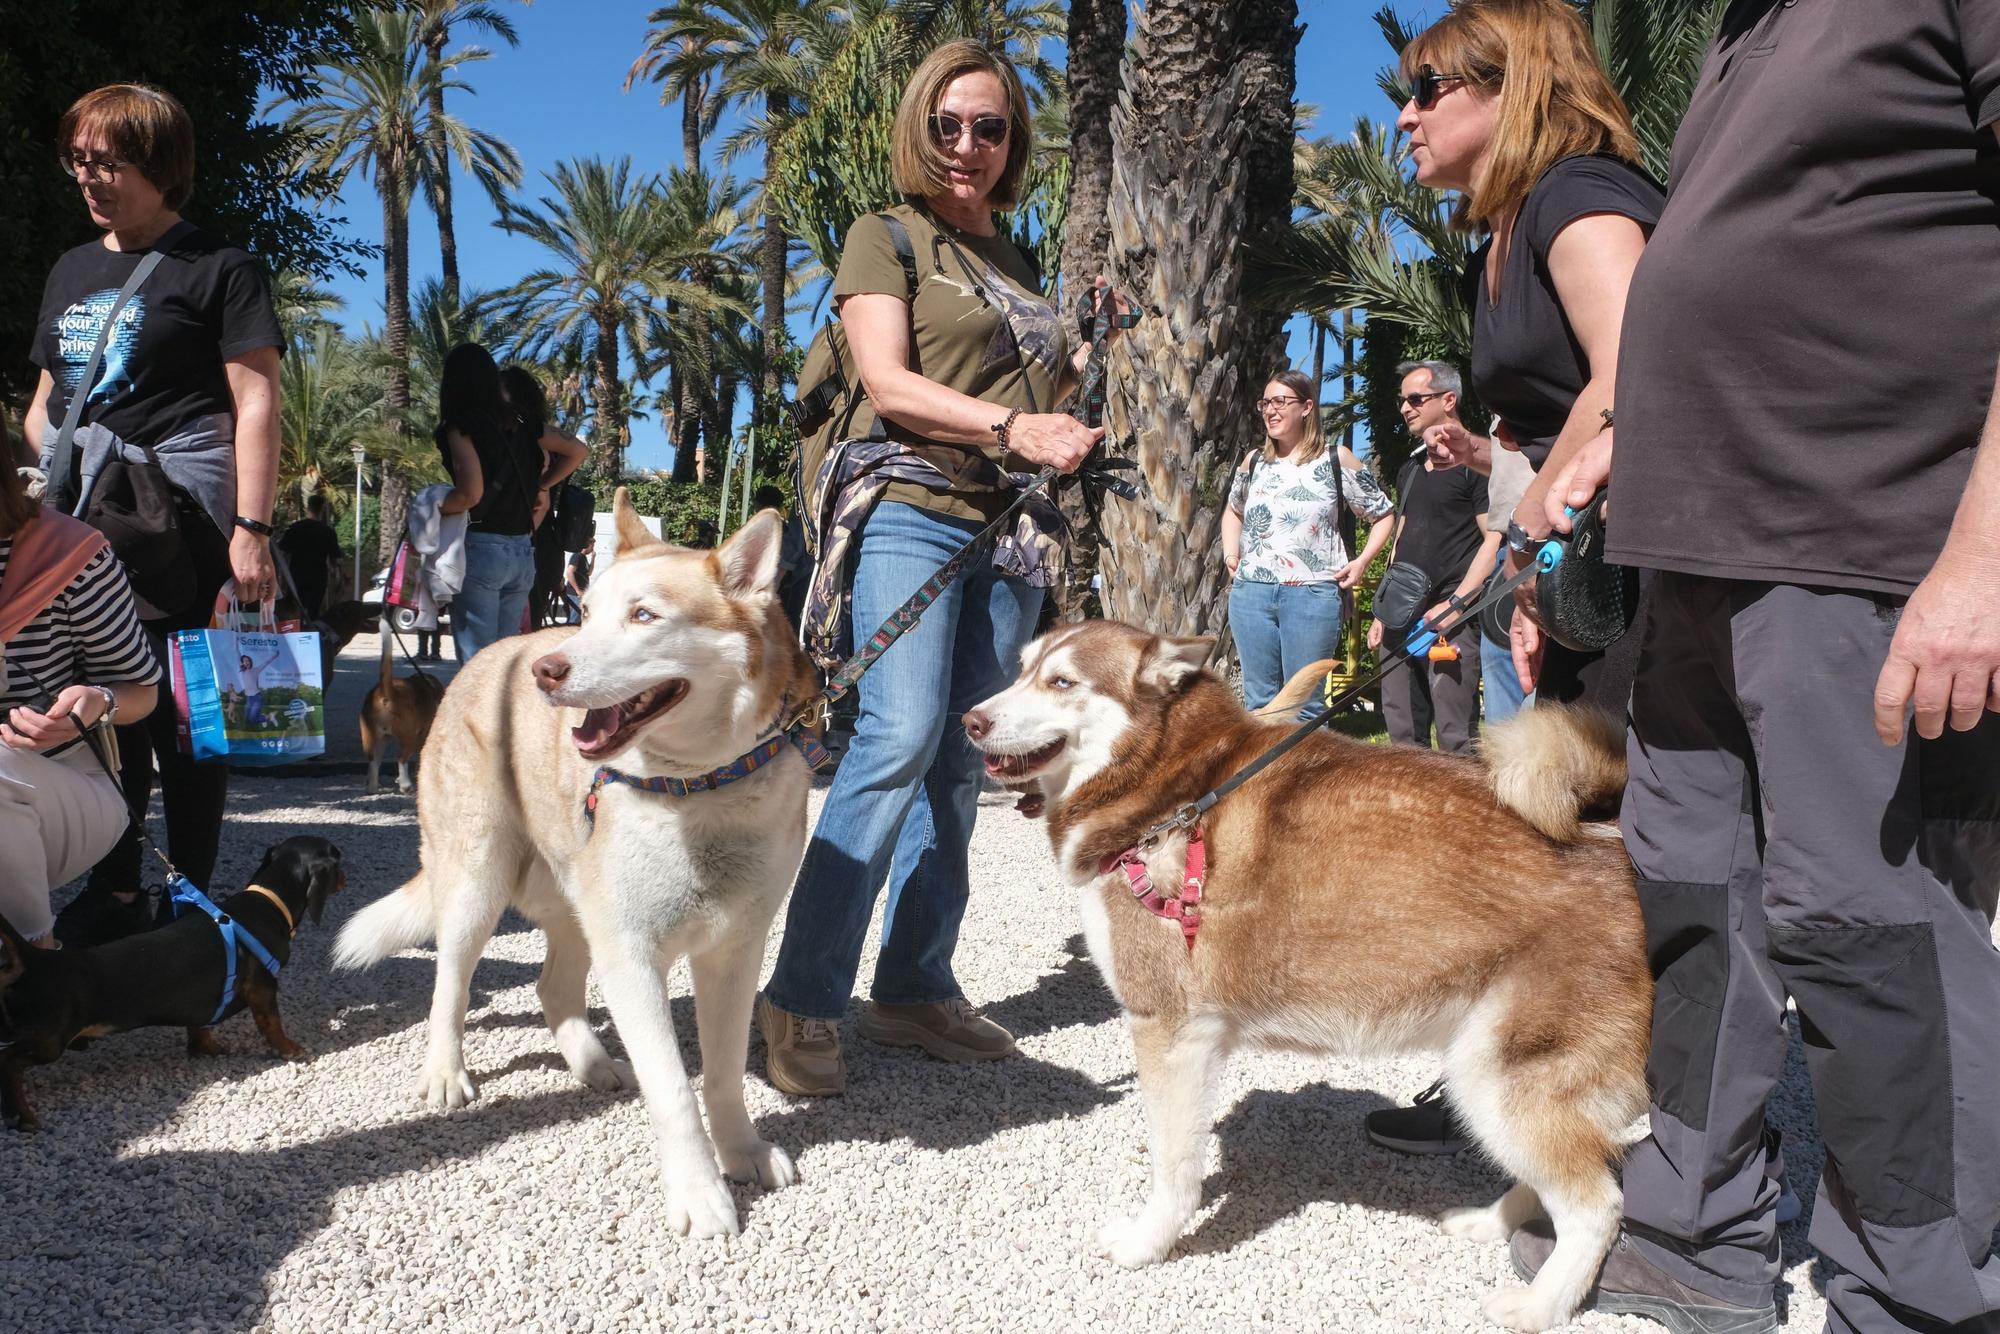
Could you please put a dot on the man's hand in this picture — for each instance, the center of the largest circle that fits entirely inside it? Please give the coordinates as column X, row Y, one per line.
column 1573, row 487
column 1375, row 632
column 1459, row 446
column 1351, row 574
column 1527, row 644
column 1945, row 658
column 250, row 563
column 25, row 729
column 1435, row 616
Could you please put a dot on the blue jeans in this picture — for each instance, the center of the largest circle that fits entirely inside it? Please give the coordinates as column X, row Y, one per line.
column 499, row 571
column 907, row 791
column 1500, row 687
column 1280, row 629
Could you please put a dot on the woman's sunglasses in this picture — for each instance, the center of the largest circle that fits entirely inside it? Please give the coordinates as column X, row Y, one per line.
column 1428, row 86
column 987, row 131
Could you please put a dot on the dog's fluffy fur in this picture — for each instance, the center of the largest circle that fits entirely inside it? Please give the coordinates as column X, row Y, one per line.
column 399, row 709
column 681, row 665
column 1359, row 898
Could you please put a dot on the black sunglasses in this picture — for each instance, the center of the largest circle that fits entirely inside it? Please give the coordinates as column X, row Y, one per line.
column 987, row 131
column 1428, row 86
column 1418, row 400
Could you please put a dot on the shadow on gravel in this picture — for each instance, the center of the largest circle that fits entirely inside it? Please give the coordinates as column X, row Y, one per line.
column 183, row 1240
column 1073, row 996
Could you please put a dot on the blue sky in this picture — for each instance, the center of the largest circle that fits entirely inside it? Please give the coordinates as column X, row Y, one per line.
column 557, row 97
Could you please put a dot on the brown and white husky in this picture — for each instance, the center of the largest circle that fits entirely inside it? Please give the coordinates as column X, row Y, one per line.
column 1358, row 898
column 684, row 663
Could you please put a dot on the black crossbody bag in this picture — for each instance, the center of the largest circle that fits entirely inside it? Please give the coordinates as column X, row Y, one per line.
column 1406, row 586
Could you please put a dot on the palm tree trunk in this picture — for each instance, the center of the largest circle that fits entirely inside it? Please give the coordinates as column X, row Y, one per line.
column 434, row 43
column 773, row 326
column 1096, row 45
column 396, row 335
column 608, row 415
column 691, row 99
column 1207, row 109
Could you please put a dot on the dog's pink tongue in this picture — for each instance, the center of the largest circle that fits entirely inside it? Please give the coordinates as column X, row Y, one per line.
column 598, row 726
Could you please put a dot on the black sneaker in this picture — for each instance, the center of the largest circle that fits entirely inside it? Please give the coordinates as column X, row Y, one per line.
column 98, row 916
column 1428, row 1125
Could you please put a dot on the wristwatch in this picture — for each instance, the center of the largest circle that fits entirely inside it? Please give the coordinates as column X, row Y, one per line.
column 1518, row 540
column 110, row 705
column 1003, row 431
column 261, row 529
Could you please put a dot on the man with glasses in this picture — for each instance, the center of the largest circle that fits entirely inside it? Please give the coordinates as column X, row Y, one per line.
column 1442, row 530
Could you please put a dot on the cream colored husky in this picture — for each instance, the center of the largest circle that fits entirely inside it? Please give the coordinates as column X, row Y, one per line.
column 684, row 662
column 1357, row 899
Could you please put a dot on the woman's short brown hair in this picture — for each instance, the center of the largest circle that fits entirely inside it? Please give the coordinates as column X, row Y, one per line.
column 142, row 125
column 15, row 506
column 1555, row 98
column 920, row 167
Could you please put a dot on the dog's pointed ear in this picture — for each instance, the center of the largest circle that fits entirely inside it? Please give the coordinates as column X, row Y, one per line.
column 634, row 538
column 326, row 878
column 747, row 564
column 1170, row 663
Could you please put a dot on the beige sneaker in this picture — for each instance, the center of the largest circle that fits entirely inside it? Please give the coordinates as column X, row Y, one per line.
column 801, row 1056
column 949, row 1030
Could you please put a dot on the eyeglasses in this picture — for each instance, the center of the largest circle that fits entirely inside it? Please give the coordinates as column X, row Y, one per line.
column 1266, row 404
column 101, row 171
column 987, row 131
column 1428, row 86
column 1418, row 400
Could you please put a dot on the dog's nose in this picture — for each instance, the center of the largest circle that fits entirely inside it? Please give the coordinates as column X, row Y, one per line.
column 977, row 724
column 551, row 670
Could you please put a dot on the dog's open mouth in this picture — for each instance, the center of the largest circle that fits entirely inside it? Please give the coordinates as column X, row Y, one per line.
column 605, row 730
column 1014, row 768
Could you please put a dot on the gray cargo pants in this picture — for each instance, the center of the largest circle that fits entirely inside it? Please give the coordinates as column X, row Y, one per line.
column 1783, row 850
column 1444, row 692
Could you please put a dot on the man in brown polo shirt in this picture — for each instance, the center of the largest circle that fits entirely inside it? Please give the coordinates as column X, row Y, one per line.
column 1805, row 383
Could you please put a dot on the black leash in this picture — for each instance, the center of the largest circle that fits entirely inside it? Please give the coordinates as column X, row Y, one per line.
column 1419, row 643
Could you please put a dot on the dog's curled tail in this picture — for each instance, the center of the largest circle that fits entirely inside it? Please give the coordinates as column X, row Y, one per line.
column 393, row 922
column 1552, row 762
column 1305, row 684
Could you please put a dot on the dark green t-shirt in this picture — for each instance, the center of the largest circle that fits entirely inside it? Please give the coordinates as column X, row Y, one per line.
column 970, row 290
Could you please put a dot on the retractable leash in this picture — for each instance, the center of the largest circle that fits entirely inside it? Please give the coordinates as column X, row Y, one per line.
column 1421, row 637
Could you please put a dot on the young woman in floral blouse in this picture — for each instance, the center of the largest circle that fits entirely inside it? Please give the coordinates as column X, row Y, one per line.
column 1281, row 538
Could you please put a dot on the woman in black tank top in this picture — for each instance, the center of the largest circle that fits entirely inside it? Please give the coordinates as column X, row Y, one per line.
column 495, row 477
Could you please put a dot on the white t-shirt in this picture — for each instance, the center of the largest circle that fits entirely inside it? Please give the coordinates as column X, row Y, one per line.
column 1291, row 534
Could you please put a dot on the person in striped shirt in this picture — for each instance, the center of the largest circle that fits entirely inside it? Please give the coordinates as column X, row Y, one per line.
column 77, row 656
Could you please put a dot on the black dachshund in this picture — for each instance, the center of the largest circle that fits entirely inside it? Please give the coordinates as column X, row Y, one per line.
column 172, row 975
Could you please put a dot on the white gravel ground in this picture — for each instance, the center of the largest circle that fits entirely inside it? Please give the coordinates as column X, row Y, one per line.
column 245, row 1193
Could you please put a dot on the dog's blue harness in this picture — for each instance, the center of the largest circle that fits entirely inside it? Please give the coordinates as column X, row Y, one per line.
column 181, row 890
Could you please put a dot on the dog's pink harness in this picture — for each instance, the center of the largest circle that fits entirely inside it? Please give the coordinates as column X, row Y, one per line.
column 1184, row 908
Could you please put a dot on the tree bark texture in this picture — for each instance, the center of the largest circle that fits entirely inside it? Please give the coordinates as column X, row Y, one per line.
column 396, row 336
column 1096, row 45
column 775, row 245
column 608, row 418
column 1201, row 177
column 441, row 171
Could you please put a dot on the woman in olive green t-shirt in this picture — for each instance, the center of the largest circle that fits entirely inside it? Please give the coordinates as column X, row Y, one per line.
column 965, row 373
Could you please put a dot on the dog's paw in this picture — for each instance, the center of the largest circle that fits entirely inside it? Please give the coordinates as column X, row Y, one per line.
column 702, row 1207
column 1520, row 1309
column 447, row 1087
column 1133, row 1242
column 291, row 1051
column 1473, row 1224
column 608, row 1076
column 760, row 1161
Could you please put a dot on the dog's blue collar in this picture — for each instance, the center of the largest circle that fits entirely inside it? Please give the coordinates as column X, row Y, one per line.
column 182, row 891
column 741, row 767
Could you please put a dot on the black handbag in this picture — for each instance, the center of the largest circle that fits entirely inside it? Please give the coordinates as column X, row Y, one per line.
column 1587, row 603
column 1406, row 587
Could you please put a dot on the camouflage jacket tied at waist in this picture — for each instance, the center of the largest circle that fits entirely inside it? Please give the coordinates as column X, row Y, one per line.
column 845, row 490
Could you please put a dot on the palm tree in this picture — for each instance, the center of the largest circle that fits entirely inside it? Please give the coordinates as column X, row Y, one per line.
column 706, row 217
column 435, row 21
column 752, row 48
column 619, row 247
column 1096, row 46
column 371, row 112
column 300, row 302
column 1202, row 174
column 329, row 401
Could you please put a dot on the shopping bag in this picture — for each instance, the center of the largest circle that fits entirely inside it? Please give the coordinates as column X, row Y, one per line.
column 404, row 587
column 250, row 696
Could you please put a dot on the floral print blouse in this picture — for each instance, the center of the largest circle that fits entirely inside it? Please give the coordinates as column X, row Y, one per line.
column 1290, row 532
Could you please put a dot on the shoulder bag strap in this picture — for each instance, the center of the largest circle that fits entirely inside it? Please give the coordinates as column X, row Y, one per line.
column 62, row 468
